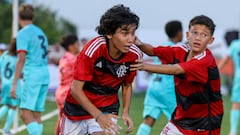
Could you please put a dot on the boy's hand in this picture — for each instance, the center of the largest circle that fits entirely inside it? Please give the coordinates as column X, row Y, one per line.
column 139, row 65
column 106, row 121
column 137, row 41
column 13, row 92
column 128, row 122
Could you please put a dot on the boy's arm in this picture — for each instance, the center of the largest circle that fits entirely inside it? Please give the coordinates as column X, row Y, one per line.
column 79, row 95
column 223, row 62
column 104, row 120
column 126, row 99
column 146, row 48
column 175, row 69
column 17, row 75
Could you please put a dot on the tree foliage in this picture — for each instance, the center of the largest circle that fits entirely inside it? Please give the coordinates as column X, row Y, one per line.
column 5, row 21
column 53, row 25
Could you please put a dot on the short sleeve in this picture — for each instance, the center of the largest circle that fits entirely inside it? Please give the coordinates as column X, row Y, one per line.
column 130, row 77
column 22, row 42
column 83, row 68
column 165, row 54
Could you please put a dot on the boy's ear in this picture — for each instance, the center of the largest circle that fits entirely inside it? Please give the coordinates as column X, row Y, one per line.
column 187, row 35
column 211, row 40
column 109, row 36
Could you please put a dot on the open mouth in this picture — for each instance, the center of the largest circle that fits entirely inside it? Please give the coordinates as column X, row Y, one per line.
column 196, row 45
column 127, row 47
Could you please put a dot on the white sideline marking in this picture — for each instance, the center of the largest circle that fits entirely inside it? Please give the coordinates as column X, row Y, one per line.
column 43, row 118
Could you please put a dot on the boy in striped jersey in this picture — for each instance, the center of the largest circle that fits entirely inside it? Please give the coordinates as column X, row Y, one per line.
column 199, row 108
column 157, row 103
column 102, row 68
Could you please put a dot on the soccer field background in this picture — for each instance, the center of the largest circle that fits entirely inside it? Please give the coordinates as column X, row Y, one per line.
column 135, row 112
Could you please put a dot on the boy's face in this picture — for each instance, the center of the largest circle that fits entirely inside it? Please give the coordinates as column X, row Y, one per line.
column 122, row 39
column 199, row 36
column 75, row 47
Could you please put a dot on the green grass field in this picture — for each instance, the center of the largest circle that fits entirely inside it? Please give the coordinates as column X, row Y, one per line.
column 136, row 114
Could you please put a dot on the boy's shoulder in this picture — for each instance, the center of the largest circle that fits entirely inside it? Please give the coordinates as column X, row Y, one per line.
column 94, row 46
column 134, row 50
column 182, row 46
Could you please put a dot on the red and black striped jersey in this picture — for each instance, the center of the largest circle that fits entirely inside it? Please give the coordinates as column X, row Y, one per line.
column 199, row 102
column 103, row 77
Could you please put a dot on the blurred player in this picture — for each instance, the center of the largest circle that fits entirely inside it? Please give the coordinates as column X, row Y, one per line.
column 3, row 47
column 199, row 108
column 8, row 62
column 234, row 54
column 160, row 96
column 32, row 47
column 101, row 69
column 66, row 65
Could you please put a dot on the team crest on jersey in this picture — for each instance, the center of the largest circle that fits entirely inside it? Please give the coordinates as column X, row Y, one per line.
column 122, row 70
column 117, row 69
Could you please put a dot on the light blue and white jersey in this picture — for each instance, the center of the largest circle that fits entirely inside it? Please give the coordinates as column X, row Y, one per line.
column 161, row 89
column 34, row 42
column 234, row 53
column 7, row 68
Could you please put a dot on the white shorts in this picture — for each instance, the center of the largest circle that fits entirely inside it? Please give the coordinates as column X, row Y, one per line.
column 170, row 129
column 82, row 127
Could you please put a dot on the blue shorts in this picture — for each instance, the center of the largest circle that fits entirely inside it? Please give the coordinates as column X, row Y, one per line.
column 10, row 101
column 34, row 96
column 235, row 96
column 6, row 99
column 155, row 112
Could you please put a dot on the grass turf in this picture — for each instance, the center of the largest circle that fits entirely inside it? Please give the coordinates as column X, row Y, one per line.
column 136, row 114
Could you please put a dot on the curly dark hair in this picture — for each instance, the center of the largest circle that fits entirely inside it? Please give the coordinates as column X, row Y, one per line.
column 203, row 20
column 116, row 17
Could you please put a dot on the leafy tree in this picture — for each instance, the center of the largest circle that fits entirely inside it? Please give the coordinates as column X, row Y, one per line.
column 5, row 21
column 53, row 25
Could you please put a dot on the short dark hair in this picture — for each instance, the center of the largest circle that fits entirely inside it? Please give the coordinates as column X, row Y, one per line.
column 68, row 40
column 26, row 12
column 172, row 28
column 116, row 17
column 203, row 20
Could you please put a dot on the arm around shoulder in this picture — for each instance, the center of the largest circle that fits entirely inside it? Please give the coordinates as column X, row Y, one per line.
column 146, row 48
column 175, row 69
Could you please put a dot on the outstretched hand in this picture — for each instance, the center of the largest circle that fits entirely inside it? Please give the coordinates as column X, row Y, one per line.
column 139, row 65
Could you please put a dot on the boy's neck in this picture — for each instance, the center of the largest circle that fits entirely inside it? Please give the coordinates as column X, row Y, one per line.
column 192, row 54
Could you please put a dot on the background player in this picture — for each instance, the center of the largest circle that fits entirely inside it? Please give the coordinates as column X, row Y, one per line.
column 66, row 65
column 101, row 69
column 234, row 54
column 32, row 47
column 8, row 62
column 160, row 96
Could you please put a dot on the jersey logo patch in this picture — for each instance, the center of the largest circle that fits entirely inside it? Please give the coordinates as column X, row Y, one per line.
column 99, row 64
column 116, row 69
column 122, row 70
